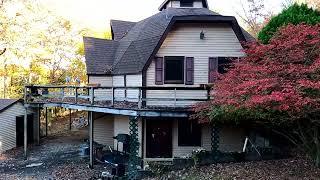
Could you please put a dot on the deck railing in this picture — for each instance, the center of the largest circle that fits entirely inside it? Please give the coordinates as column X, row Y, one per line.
column 135, row 97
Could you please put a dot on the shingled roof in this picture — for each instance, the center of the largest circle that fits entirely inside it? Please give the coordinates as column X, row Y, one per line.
column 99, row 55
column 6, row 103
column 120, row 28
column 132, row 53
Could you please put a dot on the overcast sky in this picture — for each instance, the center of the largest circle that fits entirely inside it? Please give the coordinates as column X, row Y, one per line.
column 96, row 14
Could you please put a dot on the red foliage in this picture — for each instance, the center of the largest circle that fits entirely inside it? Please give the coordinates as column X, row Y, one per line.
column 283, row 75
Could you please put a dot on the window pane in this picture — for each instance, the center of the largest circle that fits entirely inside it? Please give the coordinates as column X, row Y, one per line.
column 186, row 4
column 174, row 69
column 189, row 133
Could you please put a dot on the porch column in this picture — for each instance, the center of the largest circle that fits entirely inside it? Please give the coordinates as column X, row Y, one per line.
column 215, row 141
column 90, row 120
column 134, row 148
column 25, row 129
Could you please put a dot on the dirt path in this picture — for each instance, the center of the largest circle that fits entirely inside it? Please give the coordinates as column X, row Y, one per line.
column 56, row 158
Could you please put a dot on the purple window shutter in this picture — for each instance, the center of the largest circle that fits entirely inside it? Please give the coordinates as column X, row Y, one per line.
column 213, row 68
column 189, row 70
column 159, row 71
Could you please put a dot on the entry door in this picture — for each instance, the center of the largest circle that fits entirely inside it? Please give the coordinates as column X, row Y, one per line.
column 159, row 138
column 20, row 130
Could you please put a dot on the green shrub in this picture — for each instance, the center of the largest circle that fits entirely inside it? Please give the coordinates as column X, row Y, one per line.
column 294, row 14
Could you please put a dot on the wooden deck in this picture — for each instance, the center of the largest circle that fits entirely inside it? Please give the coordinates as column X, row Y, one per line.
column 108, row 100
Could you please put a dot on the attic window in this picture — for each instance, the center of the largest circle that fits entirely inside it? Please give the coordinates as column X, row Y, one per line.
column 186, row 4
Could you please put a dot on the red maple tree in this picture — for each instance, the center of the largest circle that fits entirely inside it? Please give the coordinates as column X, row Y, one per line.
column 276, row 85
column 281, row 76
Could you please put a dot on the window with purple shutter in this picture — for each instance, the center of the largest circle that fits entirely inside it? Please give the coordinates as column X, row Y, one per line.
column 213, row 68
column 159, row 71
column 189, row 70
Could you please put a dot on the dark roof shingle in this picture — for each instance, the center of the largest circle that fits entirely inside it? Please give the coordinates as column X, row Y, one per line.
column 99, row 55
column 120, row 28
column 5, row 103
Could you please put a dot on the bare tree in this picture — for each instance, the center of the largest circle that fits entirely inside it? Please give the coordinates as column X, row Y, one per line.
column 314, row 3
column 254, row 15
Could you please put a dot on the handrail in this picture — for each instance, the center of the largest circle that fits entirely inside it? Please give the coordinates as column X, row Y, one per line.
column 109, row 95
column 127, row 87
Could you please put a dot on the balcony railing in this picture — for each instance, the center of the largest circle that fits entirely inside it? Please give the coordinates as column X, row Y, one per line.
column 118, row 97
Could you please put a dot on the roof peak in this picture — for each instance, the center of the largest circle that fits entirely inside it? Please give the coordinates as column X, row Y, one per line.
column 184, row 4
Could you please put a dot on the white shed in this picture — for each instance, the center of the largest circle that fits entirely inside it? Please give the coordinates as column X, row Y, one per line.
column 12, row 124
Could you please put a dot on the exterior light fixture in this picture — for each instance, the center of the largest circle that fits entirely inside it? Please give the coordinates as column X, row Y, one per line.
column 202, row 36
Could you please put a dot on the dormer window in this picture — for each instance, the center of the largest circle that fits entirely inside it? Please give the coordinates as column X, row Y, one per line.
column 183, row 4
column 186, row 4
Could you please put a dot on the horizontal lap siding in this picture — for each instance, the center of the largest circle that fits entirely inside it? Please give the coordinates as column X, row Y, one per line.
column 180, row 94
column 186, row 151
column 121, row 126
column 231, row 140
column 118, row 81
column 103, row 130
column 100, row 94
column 184, row 40
column 133, row 81
column 8, row 126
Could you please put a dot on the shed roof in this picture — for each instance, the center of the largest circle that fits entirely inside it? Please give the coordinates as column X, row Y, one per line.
column 6, row 103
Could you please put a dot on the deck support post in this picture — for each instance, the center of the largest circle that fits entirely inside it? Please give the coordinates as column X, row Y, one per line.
column 215, row 141
column 46, row 121
column 90, row 120
column 25, row 130
column 39, row 125
column 134, row 148
column 70, row 119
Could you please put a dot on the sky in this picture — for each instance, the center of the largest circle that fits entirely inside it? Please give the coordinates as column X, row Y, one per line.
column 96, row 14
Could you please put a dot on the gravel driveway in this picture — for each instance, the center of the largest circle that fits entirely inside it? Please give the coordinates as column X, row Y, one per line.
column 57, row 157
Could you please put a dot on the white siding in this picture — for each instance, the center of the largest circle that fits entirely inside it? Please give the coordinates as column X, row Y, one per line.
column 197, row 4
column 102, row 80
column 173, row 4
column 184, row 40
column 133, row 81
column 176, row 4
column 100, row 94
column 8, row 126
column 118, row 81
column 231, row 140
column 121, row 126
column 103, row 130
column 186, row 151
